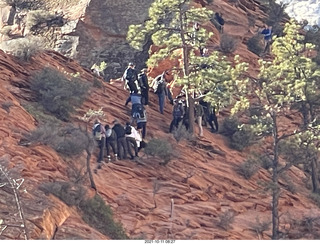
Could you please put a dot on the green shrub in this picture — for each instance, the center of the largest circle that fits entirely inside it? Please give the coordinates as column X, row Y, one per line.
column 68, row 141
column 99, row 215
column 57, row 94
column 39, row 113
column 228, row 44
column 254, row 44
column 229, row 126
column 159, row 148
column 243, row 138
column 248, row 168
column 182, row 133
column 69, row 193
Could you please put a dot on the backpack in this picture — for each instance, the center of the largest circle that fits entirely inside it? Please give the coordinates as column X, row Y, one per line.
column 139, row 112
column 130, row 75
column 97, row 132
column 160, row 87
column 128, row 130
column 177, row 111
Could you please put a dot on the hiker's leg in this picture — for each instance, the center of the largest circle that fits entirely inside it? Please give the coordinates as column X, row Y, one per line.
column 129, row 145
column 199, row 120
column 144, row 129
column 161, row 102
column 113, row 145
column 146, row 96
column 215, row 120
column 120, row 149
column 108, row 148
column 124, row 146
column 102, row 148
column 173, row 123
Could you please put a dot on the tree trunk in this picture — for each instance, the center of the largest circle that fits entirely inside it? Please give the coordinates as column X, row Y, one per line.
column 93, row 185
column 314, row 176
column 275, row 187
column 304, row 112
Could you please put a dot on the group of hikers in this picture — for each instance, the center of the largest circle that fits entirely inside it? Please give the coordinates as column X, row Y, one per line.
column 126, row 139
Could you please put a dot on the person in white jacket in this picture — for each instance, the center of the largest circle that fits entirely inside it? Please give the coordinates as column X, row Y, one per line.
column 133, row 139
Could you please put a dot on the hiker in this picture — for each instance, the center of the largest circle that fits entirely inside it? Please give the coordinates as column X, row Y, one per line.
column 134, row 98
column 185, row 119
column 210, row 115
column 198, row 113
column 267, row 33
column 99, row 135
column 160, row 88
column 133, row 139
column 220, row 21
column 130, row 77
column 111, row 142
column 144, row 86
column 121, row 140
column 177, row 113
column 142, row 123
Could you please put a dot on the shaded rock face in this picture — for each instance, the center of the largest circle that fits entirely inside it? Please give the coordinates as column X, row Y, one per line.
column 102, row 34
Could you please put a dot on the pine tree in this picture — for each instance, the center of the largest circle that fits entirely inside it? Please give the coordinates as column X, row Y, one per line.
column 285, row 83
column 177, row 27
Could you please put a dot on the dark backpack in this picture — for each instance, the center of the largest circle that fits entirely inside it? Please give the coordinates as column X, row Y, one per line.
column 160, row 87
column 97, row 134
column 139, row 112
column 177, row 111
column 128, row 130
column 130, row 75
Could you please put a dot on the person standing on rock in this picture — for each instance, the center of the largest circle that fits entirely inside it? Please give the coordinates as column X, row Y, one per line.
column 144, row 86
column 130, row 77
column 160, row 88
column 198, row 115
column 99, row 135
column 111, row 142
column 121, row 140
column 267, row 33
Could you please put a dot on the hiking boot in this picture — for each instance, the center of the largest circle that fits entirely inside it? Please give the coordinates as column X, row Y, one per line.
column 132, row 157
column 109, row 158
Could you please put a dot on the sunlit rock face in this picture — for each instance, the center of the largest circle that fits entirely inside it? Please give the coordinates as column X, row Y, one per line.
column 304, row 10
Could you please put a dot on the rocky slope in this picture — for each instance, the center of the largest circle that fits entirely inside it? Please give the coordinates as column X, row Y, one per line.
column 201, row 179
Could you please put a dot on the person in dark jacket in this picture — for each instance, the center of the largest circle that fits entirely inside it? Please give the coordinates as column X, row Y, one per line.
column 267, row 33
column 130, row 77
column 111, row 142
column 210, row 115
column 99, row 134
column 144, row 86
column 160, row 88
column 121, row 140
column 220, row 20
column 177, row 114
column 142, row 123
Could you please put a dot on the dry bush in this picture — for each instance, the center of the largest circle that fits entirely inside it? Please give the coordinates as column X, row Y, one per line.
column 228, row 44
column 248, row 168
column 68, row 140
column 254, row 44
column 182, row 133
column 160, row 148
column 23, row 48
column 58, row 94
column 225, row 220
